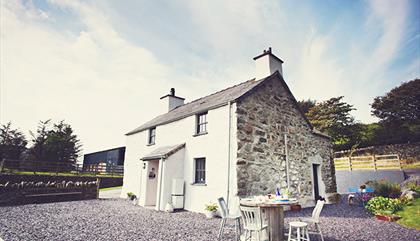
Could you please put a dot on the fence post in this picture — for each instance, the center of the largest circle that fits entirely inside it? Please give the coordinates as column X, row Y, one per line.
column 399, row 161
column 350, row 167
column 374, row 161
column 2, row 164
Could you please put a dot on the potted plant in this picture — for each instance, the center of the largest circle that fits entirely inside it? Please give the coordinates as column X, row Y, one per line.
column 384, row 208
column 211, row 210
column 130, row 196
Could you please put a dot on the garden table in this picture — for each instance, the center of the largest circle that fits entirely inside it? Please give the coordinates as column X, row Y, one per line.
column 275, row 214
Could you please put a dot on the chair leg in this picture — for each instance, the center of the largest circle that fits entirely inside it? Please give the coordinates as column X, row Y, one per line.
column 298, row 234
column 290, row 234
column 320, row 231
column 236, row 231
column 222, row 225
column 307, row 234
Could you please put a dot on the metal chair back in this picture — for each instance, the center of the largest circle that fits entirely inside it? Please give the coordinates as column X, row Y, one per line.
column 224, row 212
column 317, row 210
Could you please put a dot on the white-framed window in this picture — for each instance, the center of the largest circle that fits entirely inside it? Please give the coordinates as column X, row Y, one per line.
column 152, row 136
column 200, row 170
column 201, row 123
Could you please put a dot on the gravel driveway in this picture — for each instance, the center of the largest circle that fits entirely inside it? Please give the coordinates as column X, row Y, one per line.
column 116, row 219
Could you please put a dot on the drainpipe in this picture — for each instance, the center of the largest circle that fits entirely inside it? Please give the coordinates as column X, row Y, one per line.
column 287, row 161
column 161, row 167
column 229, row 144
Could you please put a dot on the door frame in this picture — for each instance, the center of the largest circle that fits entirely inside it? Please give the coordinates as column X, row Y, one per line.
column 317, row 159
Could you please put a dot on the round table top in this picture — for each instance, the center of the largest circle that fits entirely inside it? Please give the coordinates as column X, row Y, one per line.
column 268, row 203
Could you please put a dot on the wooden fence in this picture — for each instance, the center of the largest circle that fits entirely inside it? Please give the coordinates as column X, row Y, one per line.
column 374, row 162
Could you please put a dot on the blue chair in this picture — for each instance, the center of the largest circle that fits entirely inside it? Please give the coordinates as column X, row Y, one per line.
column 353, row 190
column 369, row 190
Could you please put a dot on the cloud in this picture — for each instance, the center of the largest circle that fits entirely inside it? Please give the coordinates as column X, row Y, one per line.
column 94, row 79
column 72, row 60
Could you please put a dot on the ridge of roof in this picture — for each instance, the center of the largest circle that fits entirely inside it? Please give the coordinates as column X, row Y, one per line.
column 250, row 85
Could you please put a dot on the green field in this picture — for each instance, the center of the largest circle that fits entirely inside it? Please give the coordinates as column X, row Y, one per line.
column 410, row 215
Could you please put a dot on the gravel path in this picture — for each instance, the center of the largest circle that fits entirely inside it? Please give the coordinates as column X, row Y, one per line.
column 114, row 219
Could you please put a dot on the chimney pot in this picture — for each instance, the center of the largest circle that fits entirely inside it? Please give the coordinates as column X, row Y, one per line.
column 172, row 91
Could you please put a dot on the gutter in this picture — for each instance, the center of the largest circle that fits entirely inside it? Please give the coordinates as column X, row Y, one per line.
column 161, row 166
column 229, row 145
column 287, row 161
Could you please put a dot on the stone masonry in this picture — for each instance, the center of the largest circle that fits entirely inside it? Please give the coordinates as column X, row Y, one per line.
column 263, row 117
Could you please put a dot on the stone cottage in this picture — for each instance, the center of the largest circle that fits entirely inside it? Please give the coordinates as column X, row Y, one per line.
column 245, row 140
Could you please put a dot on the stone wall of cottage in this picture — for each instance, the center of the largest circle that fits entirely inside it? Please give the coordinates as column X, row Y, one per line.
column 263, row 118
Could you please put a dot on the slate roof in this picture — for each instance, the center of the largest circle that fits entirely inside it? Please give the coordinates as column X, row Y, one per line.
column 216, row 100
column 205, row 103
column 163, row 152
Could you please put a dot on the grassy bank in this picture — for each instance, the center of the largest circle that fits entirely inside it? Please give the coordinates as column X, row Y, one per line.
column 109, row 188
column 64, row 174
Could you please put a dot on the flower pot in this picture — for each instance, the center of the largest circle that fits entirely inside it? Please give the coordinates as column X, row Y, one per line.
column 169, row 208
column 387, row 218
column 210, row 214
column 295, row 207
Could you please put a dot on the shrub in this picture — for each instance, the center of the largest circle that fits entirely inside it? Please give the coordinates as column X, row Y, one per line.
column 385, row 188
column 212, row 207
column 383, row 205
column 412, row 186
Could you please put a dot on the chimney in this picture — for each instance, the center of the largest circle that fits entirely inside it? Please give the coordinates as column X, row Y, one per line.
column 266, row 64
column 172, row 101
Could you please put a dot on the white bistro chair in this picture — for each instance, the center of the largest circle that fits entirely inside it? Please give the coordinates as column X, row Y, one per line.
column 253, row 222
column 224, row 212
column 315, row 218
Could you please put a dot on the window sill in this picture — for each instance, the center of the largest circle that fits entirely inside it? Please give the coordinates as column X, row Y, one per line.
column 198, row 184
column 151, row 144
column 200, row 134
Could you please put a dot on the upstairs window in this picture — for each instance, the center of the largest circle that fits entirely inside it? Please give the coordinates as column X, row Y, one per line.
column 152, row 136
column 201, row 124
column 200, row 170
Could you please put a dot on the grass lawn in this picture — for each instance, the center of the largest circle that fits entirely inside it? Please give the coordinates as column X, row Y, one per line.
column 415, row 165
column 410, row 215
column 109, row 188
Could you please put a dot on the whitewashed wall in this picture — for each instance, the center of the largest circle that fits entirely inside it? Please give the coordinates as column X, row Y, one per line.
column 213, row 146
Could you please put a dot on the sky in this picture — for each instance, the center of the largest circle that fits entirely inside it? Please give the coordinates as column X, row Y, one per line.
column 103, row 65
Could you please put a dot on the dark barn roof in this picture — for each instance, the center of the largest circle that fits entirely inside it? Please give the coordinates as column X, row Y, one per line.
column 216, row 100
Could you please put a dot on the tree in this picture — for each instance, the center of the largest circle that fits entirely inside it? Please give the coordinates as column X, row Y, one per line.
column 333, row 117
column 306, row 105
column 55, row 143
column 399, row 114
column 401, row 104
column 12, row 142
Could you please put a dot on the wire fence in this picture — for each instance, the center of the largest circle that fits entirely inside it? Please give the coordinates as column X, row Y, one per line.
column 39, row 167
